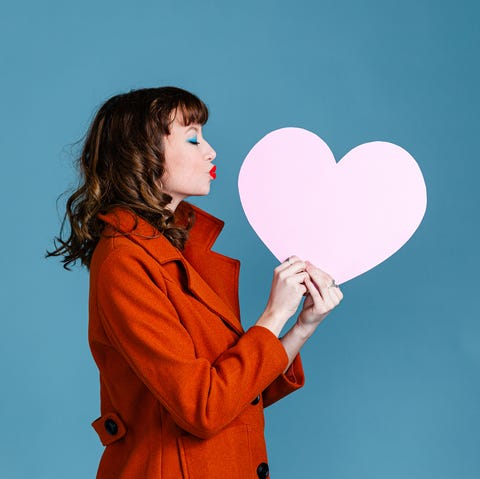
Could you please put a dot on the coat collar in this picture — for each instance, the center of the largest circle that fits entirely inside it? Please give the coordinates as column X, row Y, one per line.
column 212, row 277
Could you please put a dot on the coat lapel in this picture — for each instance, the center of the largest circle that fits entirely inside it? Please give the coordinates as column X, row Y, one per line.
column 219, row 271
column 204, row 293
column 212, row 277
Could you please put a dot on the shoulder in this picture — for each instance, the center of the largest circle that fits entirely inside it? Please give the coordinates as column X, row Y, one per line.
column 118, row 259
column 112, row 248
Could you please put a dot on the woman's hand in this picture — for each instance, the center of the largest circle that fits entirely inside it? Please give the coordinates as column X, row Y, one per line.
column 288, row 288
column 323, row 296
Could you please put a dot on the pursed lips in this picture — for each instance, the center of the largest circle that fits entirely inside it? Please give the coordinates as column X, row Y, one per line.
column 213, row 171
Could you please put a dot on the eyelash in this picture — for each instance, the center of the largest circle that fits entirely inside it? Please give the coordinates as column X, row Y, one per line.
column 193, row 141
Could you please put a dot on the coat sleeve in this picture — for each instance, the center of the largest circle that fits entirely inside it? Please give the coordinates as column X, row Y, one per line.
column 142, row 324
column 286, row 383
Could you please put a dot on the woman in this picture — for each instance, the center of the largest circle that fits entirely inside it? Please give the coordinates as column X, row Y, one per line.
column 183, row 386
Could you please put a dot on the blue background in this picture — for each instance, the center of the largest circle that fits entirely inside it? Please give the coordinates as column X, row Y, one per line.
column 393, row 376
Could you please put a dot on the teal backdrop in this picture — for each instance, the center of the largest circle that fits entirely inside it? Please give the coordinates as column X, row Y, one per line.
column 393, row 375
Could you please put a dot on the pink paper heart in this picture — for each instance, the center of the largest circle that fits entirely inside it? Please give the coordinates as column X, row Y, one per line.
column 344, row 217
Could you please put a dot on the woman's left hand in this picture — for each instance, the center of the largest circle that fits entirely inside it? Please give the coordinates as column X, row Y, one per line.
column 323, row 296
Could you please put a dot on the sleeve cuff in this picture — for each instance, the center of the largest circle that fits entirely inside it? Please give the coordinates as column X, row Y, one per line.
column 271, row 343
column 294, row 375
column 285, row 383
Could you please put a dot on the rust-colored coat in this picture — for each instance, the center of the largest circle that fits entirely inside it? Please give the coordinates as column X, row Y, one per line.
column 182, row 385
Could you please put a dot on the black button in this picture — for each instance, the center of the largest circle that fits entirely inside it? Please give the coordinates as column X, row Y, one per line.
column 255, row 401
column 262, row 470
column 111, row 427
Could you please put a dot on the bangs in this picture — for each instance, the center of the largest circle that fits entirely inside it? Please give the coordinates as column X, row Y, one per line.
column 192, row 110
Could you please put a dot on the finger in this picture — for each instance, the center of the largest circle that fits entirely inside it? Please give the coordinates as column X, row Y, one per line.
column 327, row 287
column 337, row 293
column 313, row 291
column 297, row 279
column 293, row 269
column 321, row 279
column 320, row 305
column 328, row 293
column 288, row 262
column 282, row 266
column 318, row 276
column 333, row 297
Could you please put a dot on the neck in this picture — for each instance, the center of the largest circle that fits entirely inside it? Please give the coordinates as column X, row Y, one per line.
column 172, row 206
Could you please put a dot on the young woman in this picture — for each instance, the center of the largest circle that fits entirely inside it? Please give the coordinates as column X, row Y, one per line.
column 182, row 385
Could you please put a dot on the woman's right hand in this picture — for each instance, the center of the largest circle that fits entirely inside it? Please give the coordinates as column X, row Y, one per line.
column 286, row 293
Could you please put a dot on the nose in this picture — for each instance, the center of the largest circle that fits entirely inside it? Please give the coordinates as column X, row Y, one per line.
column 211, row 153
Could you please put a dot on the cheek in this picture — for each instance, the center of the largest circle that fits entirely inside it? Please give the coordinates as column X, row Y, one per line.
column 174, row 165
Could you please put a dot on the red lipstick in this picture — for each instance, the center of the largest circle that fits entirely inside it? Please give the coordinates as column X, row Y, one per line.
column 213, row 171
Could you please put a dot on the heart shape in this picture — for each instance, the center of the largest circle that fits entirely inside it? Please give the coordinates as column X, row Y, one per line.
column 344, row 217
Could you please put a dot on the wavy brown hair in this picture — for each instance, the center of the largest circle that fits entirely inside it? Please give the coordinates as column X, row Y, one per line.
column 121, row 164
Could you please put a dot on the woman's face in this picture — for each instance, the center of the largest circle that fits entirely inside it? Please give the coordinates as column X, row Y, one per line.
column 188, row 163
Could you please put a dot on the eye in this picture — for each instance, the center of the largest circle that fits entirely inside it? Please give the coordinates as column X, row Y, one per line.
column 193, row 140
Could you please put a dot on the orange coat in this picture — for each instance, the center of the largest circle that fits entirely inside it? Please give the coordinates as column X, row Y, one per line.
column 182, row 385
